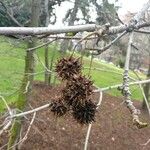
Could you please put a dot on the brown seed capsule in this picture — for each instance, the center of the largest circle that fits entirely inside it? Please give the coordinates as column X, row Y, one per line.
column 58, row 108
column 85, row 114
column 66, row 68
column 77, row 90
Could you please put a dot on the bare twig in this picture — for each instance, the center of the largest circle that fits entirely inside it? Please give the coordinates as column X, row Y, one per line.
column 148, row 141
column 28, row 130
column 134, row 46
column 69, row 37
column 42, row 45
column 106, row 70
column 31, row 111
column 144, row 96
column 103, row 70
column 7, row 122
column 26, row 135
column 90, row 125
column 27, row 86
column 30, row 74
column 101, row 50
column 8, row 108
column 119, row 18
column 119, row 85
column 82, row 39
column 6, row 126
column 142, row 31
column 145, row 99
column 50, row 71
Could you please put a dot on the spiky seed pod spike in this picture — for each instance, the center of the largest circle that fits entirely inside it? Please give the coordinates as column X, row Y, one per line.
column 66, row 68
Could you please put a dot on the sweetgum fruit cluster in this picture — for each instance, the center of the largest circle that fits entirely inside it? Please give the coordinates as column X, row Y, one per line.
column 77, row 92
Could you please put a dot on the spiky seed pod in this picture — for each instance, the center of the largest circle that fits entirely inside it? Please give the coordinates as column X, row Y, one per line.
column 77, row 90
column 58, row 108
column 67, row 97
column 85, row 114
column 82, row 84
column 74, row 99
column 66, row 68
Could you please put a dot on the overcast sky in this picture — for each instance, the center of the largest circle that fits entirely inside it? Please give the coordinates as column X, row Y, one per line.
column 126, row 5
column 130, row 5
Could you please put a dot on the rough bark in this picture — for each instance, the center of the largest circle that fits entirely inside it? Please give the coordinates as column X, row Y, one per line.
column 78, row 28
column 26, row 87
column 47, row 74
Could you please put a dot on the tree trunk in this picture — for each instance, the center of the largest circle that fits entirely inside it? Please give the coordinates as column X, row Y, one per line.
column 47, row 74
column 147, row 89
column 52, row 60
column 26, row 87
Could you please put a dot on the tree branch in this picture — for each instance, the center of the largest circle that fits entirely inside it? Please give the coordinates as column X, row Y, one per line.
column 142, row 31
column 31, row 111
column 103, row 49
column 77, row 28
column 143, row 93
column 126, row 90
column 119, row 85
column 42, row 45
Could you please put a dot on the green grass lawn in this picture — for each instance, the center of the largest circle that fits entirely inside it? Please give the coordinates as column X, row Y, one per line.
column 112, row 75
column 12, row 53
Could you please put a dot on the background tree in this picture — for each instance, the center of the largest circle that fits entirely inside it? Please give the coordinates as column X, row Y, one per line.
column 47, row 14
column 27, row 80
column 14, row 13
column 47, row 20
column 106, row 13
column 18, row 12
